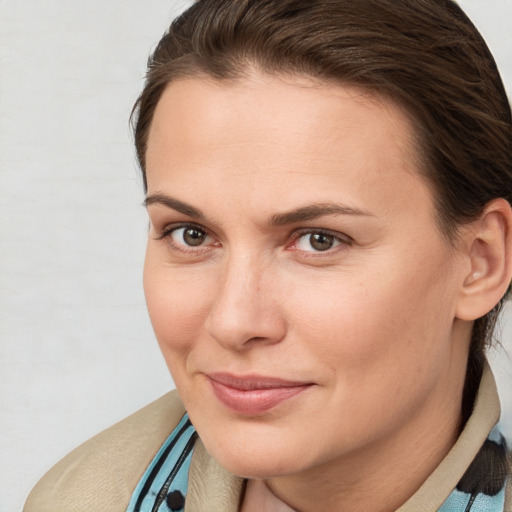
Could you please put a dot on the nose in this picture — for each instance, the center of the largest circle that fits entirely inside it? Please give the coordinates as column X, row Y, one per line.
column 246, row 309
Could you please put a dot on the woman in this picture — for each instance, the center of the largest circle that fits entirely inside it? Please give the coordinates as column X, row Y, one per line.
column 329, row 187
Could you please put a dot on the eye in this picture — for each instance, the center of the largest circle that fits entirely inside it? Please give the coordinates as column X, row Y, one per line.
column 318, row 241
column 187, row 236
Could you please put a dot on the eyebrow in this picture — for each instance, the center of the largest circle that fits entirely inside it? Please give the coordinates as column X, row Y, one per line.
column 302, row 214
column 313, row 212
column 175, row 204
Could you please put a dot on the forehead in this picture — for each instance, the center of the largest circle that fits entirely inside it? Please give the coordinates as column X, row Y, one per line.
column 288, row 103
column 280, row 136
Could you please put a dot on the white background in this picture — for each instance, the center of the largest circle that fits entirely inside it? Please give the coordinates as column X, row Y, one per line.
column 76, row 349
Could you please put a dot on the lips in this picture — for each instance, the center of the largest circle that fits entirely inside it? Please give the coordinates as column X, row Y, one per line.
column 253, row 395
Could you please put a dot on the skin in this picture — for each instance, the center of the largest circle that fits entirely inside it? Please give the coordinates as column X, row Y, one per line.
column 371, row 323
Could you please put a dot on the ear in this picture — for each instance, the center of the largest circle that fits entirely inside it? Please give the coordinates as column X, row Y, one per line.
column 488, row 243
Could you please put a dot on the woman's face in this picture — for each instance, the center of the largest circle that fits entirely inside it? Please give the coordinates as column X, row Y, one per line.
column 300, row 290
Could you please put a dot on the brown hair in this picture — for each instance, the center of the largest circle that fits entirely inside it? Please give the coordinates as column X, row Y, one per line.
column 425, row 55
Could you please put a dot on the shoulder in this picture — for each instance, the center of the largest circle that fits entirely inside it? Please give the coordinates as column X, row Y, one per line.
column 102, row 473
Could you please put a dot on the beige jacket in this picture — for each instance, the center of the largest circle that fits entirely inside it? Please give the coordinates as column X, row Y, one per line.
column 101, row 474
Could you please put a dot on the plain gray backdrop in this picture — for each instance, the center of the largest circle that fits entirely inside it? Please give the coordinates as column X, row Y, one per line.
column 76, row 348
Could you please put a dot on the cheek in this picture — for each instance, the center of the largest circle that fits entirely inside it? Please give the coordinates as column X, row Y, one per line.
column 177, row 302
column 397, row 313
column 381, row 343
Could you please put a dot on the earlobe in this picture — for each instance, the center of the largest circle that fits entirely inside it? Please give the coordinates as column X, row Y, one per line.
column 489, row 251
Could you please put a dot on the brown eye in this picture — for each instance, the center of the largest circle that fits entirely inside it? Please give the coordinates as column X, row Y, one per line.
column 318, row 242
column 321, row 242
column 194, row 236
column 190, row 236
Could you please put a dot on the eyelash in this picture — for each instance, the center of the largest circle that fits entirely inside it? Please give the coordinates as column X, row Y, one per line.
column 169, row 230
column 341, row 239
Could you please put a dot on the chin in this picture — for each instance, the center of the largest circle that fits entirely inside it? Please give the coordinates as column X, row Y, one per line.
column 255, row 456
column 246, row 466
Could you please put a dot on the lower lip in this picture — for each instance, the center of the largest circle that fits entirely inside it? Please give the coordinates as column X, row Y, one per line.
column 255, row 401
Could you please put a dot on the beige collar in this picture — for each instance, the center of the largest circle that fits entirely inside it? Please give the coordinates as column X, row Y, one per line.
column 438, row 486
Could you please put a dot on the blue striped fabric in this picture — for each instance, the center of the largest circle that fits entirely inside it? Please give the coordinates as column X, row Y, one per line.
column 482, row 488
column 167, row 473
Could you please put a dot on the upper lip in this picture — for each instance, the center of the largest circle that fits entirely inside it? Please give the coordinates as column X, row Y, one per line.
column 253, row 382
